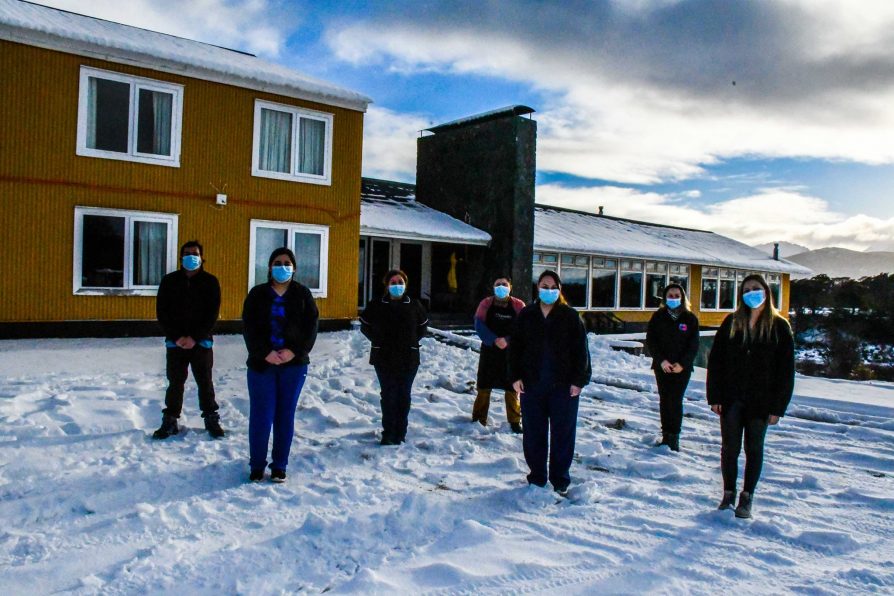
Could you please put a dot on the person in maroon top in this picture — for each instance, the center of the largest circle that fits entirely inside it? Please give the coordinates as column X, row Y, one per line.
column 494, row 320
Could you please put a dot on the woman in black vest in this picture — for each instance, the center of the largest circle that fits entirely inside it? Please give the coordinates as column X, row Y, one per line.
column 494, row 320
column 751, row 375
column 280, row 328
column 394, row 325
column 672, row 338
column 550, row 363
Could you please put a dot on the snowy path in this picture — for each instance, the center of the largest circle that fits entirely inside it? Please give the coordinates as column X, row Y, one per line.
column 90, row 504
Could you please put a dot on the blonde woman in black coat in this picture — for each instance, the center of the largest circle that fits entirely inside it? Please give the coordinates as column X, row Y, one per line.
column 672, row 338
column 751, row 376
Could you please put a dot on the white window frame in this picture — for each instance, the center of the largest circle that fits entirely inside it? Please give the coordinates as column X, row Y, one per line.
column 587, row 284
column 642, row 285
column 291, row 228
column 594, row 267
column 294, row 175
column 136, row 83
column 129, row 288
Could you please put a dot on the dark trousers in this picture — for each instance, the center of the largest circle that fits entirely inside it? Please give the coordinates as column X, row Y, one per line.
column 273, row 397
column 550, row 422
column 396, row 386
column 179, row 361
column 671, row 388
column 735, row 422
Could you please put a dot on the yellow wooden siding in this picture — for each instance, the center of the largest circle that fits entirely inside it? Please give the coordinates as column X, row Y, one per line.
column 42, row 180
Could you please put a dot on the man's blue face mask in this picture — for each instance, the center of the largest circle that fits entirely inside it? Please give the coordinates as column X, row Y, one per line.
column 191, row 262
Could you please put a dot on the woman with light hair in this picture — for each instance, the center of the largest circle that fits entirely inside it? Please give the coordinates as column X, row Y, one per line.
column 751, row 376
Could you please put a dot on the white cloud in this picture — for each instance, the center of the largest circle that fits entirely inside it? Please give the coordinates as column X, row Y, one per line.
column 249, row 25
column 632, row 96
column 772, row 215
column 389, row 144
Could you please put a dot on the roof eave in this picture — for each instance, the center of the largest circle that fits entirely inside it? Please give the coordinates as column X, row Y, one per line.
column 77, row 47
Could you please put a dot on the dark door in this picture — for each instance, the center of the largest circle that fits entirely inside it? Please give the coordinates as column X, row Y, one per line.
column 411, row 263
column 380, row 263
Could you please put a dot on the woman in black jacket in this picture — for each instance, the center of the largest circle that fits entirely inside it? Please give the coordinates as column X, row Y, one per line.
column 394, row 325
column 672, row 338
column 280, row 328
column 550, row 363
column 751, row 376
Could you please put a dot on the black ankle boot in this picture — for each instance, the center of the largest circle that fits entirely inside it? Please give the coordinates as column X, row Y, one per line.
column 168, row 427
column 743, row 510
column 673, row 441
column 729, row 497
column 212, row 425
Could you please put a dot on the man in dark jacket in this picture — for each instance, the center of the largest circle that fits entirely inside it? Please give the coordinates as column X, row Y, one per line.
column 187, row 306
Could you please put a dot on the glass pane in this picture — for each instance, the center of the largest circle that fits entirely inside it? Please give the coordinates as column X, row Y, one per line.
column 776, row 292
column 655, row 283
column 710, row 272
column 598, row 262
column 275, row 143
column 154, row 122
column 631, row 290
column 611, row 264
column 102, row 254
column 536, row 270
column 266, row 241
column 361, row 270
column 150, row 252
column 568, row 259
column 582, row 261
column 709, row 293
column 550, row 259
column 108, row 114
column 537, row 257
column 307, row 252
column 312, row 139
column 574, row 286
column 683, row 280
column 727, row 294
column 602, row 293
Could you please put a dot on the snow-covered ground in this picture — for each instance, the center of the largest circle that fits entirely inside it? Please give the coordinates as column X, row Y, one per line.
column 89, row 503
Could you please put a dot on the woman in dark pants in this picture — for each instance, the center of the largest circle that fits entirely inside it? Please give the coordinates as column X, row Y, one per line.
column 751, row 375
column 394, row 325
column 280, row 328
column 494, row 320
column 672, row 338
column 550, row 362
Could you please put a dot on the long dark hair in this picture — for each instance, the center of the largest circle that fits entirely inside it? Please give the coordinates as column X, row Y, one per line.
column 742, row 317
column 675, row 286
column 278, row 253
column 558, row 280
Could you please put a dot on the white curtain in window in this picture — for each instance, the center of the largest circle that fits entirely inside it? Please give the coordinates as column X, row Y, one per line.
column 150, row 252
column 275, row 142
column 307, row 253
column 162, row 111
column 91, row 112
column 312, row 138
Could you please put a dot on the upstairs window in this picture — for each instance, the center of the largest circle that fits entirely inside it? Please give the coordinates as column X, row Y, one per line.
column 129, row 118
column 292, row 143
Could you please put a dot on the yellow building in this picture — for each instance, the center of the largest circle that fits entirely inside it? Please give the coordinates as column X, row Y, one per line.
column 119, row 144
column 614, row 269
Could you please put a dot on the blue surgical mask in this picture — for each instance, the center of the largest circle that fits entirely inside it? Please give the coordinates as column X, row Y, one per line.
column 673, row 302
column 397, row 290
column 191, row 262
column 548, row 296
column 282, row 273
column 754, row 298
column 501, row 292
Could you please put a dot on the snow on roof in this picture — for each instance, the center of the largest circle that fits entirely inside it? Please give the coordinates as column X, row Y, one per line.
column 564, row 230
column 390, row 209
column 41, row 26
column 516, row 110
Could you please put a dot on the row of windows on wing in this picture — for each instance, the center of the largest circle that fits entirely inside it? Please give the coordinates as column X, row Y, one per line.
column 592, row 282
column 133, row 250
column 138, row 119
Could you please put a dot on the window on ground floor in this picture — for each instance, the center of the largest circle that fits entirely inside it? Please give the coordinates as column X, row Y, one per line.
column 310, row 243
column 122, row 250
column 604, row 278
column 575, row 273
column 631, row 291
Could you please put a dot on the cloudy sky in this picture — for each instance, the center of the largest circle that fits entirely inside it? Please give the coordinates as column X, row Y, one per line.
column 762, row 120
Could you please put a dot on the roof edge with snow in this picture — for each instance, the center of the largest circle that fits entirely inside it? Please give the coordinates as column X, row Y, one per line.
column 89, row 37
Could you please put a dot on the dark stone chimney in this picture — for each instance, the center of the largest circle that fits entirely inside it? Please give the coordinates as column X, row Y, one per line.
column 480, row 170
column 775, row 251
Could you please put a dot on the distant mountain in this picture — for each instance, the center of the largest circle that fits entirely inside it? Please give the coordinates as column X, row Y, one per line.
column 841, row 262
column 786, row 249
